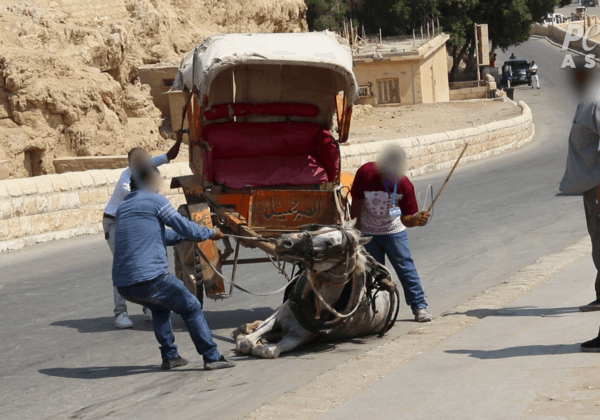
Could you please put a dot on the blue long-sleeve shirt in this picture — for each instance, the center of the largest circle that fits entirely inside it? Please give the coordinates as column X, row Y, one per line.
column 141, row 239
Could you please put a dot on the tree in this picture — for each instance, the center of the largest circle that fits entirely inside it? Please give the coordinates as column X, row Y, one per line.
column 328, row 14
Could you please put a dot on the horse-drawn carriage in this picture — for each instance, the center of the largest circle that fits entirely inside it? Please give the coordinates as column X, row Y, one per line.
column 261, row 111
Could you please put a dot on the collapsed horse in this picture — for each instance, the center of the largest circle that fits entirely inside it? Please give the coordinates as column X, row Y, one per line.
column 340, row 293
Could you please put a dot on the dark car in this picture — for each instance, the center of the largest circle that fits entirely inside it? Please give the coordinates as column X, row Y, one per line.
column 519, row 70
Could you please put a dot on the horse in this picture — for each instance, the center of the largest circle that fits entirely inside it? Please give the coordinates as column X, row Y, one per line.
column 341, row 292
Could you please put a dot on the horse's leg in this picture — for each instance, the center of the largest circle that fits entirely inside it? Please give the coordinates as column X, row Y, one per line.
column 294, row 336
column 245, row 343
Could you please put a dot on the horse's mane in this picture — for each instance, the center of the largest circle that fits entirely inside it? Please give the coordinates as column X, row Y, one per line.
column 361, row 259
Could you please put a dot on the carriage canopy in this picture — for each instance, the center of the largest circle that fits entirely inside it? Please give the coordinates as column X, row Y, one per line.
column 260, row 68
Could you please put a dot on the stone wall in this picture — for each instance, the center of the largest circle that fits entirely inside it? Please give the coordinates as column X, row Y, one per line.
column 460, row 91
column 557, row 34
column 43, row 208
column 439, row 151
column 86, row 163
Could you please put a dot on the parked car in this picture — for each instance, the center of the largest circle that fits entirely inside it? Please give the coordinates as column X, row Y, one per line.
column 519, row 69
column 589, row 3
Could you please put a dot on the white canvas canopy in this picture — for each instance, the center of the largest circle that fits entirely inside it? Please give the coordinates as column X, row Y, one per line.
column 271, row 67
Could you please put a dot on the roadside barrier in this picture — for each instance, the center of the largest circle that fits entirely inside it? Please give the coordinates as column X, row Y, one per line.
column 48, row 207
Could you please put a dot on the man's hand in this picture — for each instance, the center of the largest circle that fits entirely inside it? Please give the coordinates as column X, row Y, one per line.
column 174, row 151
column 417, row 219
column 219, row 235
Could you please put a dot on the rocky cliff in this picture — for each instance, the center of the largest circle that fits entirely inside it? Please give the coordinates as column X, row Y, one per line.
column 68, row 69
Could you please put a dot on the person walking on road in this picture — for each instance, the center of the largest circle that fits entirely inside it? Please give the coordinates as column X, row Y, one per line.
column 533, row 74
column 141, row 267
column 384, row 204
column 109, row 223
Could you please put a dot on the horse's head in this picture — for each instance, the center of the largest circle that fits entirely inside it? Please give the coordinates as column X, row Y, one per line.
column 322, row 248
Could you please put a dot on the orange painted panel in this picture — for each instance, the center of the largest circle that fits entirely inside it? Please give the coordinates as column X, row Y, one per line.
column 347, row 179
column 291, row 209
column 213, row 284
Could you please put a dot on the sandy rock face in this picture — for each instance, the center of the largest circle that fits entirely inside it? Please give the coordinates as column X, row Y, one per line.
column 68, row 70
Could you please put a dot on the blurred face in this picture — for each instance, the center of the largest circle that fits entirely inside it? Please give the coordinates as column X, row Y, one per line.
column 391, row 163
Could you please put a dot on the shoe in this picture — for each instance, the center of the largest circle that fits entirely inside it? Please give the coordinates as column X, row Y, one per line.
column 147, row 314
column 173, row 363
column 423, row 315
column 591, row 307
column 122, row 321
column 592, row 346
column 222, row 363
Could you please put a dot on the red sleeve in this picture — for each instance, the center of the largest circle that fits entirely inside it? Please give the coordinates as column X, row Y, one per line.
column 358, row 186
column 408, row 203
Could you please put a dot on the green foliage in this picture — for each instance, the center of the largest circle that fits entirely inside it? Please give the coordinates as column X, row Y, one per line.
column 327, row 14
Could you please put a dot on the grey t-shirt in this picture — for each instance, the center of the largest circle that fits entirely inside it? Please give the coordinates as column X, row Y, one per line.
column 583, row 161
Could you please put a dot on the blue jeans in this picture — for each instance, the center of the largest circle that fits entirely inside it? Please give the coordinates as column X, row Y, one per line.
column 164, row 294
column 395, row 246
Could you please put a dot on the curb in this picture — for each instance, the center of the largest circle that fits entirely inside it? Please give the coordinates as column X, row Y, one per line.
column 433, row 152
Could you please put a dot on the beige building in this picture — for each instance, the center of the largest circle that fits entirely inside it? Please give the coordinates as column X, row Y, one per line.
column 402, row 71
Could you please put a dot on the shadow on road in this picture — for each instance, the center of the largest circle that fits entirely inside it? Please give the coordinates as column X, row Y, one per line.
column 105, row 324
column 101, row 372
column 216, row 319
column 519, row 351
column 519, row 311
column 234, row 318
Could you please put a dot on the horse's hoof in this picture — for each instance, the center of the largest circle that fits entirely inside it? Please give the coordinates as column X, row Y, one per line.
column 244, row 346
column 266, row 352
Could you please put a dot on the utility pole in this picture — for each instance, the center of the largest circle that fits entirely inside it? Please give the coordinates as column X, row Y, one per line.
column 476, row 52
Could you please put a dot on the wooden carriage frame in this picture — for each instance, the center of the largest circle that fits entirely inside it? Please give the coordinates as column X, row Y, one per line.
column 233, row 65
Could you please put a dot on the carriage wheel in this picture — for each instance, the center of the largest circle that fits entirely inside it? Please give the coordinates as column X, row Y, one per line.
column 187, row 263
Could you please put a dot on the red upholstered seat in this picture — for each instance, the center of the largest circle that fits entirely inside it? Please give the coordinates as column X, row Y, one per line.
column 264, row 154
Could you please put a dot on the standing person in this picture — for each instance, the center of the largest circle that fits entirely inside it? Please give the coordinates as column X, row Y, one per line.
column 507, row 74
column 533, row 70
column 493, row 60
column 384, row 204
column 109, row 223
column 141, row 267
column 582, row 173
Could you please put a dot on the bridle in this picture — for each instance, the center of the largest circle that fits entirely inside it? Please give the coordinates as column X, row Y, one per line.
column 309, row 255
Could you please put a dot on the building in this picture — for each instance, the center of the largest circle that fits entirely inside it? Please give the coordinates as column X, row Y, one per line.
column 402, row 70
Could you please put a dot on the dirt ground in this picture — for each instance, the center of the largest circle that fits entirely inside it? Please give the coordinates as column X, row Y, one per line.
column 377, row 123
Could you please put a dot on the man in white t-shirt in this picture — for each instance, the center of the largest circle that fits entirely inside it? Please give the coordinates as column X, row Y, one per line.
column 109, row 222
column 533, row 73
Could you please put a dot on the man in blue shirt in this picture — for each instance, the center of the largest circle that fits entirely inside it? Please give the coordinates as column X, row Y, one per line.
column 109, row 222
column 141, row 267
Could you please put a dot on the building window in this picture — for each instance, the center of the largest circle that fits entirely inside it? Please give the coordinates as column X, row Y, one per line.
column 364, row 91
column 388, row 91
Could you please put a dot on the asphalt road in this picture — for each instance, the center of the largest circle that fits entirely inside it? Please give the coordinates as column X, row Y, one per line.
column 61, row 357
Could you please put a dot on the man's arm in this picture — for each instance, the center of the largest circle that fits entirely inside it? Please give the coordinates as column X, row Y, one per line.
column 184, row 227
column 411, row 216
column 173, row 238
column 174, row 151
column 417, row 219
column 167, row 157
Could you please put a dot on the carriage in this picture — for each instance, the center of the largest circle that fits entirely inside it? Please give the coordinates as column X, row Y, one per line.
column 261, row 109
